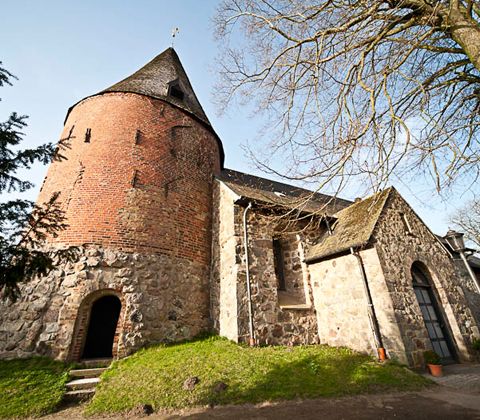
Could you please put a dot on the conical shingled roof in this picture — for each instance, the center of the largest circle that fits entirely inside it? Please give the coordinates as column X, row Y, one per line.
column 154, row 80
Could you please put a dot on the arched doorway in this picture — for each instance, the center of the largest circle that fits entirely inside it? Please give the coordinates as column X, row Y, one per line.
column 432, row 316
column 101, row 327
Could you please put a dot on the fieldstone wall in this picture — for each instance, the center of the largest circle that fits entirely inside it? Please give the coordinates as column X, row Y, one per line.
column 469, row 289
column 341, row 304
column 163, row 299
column 339, row 300
column 276, row 322
column 398, row 249
column 297, row 288
column 383, row 304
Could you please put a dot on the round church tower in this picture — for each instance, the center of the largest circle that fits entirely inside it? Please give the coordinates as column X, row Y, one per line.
column 136, row 191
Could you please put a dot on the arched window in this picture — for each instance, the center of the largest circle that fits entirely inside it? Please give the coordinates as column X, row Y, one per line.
column 432, row 316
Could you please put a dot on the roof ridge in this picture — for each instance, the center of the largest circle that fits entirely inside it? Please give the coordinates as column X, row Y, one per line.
column 354, row 227
column 386, row 191
column 274, row 183
column 153, row 79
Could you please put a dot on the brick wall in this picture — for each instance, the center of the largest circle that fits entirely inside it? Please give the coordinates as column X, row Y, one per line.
column 141, row 183
column 136, row 188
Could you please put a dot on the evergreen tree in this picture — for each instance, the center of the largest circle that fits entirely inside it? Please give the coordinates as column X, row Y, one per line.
column 24, row 225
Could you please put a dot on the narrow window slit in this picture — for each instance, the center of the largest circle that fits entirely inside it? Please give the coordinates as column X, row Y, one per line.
column 138, row 135
column 406, row 224
column 88, row 135
column 135, row 178
column 279, row 264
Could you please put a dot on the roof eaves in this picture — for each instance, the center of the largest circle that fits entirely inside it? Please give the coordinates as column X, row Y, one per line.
column 339, row 251
column 243, row 200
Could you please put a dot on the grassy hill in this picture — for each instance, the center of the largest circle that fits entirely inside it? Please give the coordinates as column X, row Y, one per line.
column 31, row 387
column 231, row 374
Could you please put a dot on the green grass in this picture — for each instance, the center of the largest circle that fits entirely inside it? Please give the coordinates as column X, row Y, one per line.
column 31, row 387
column 155, row 375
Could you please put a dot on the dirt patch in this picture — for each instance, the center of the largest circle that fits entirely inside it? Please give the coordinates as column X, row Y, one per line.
column 437, row 402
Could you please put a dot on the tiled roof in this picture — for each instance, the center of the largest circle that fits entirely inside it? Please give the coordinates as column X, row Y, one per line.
column 354, row 227
column 279, row 194
column 154, row 78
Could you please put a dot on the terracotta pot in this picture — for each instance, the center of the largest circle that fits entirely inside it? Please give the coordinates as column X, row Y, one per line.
column 435, row 370
column 382, row 355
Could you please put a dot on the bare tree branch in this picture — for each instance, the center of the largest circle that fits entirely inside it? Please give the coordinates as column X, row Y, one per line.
column 467, row 219
column 364, row 89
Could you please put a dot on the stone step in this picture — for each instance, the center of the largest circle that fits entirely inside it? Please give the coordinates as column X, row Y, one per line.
column 79, row 395
column 95, row 363
column 87, row 373
column 84, row 383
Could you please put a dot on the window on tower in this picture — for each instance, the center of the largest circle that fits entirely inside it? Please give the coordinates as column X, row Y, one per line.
column 175, row 90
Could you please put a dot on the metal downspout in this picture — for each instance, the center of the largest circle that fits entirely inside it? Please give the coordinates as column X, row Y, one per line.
column 247, row 271
column 470, row 271
column 371, row 310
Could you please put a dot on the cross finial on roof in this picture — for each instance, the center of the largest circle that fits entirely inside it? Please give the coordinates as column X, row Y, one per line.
column 175, row 32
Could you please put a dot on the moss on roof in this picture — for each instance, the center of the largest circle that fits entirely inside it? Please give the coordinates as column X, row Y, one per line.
column 353, row 228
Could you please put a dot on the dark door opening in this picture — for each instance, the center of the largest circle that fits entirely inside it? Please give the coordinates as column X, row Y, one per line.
column 101, row 328
column 434, row 322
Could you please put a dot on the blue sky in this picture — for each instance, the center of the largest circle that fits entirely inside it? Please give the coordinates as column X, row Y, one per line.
column 62, row 51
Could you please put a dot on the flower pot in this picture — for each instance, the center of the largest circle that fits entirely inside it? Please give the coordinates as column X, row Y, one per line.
column 382, row 355
column 435, row 370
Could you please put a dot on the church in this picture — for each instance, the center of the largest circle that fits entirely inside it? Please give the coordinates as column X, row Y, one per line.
column 172, row 244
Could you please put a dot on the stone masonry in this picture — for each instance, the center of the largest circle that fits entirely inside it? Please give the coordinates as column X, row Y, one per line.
column 332, row 299
column 162, row 301
column 135, row 183
column 398, row 248
column 158, row 223
column 279, row 317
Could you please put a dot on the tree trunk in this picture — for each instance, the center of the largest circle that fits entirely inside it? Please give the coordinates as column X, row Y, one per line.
column 465, row 32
